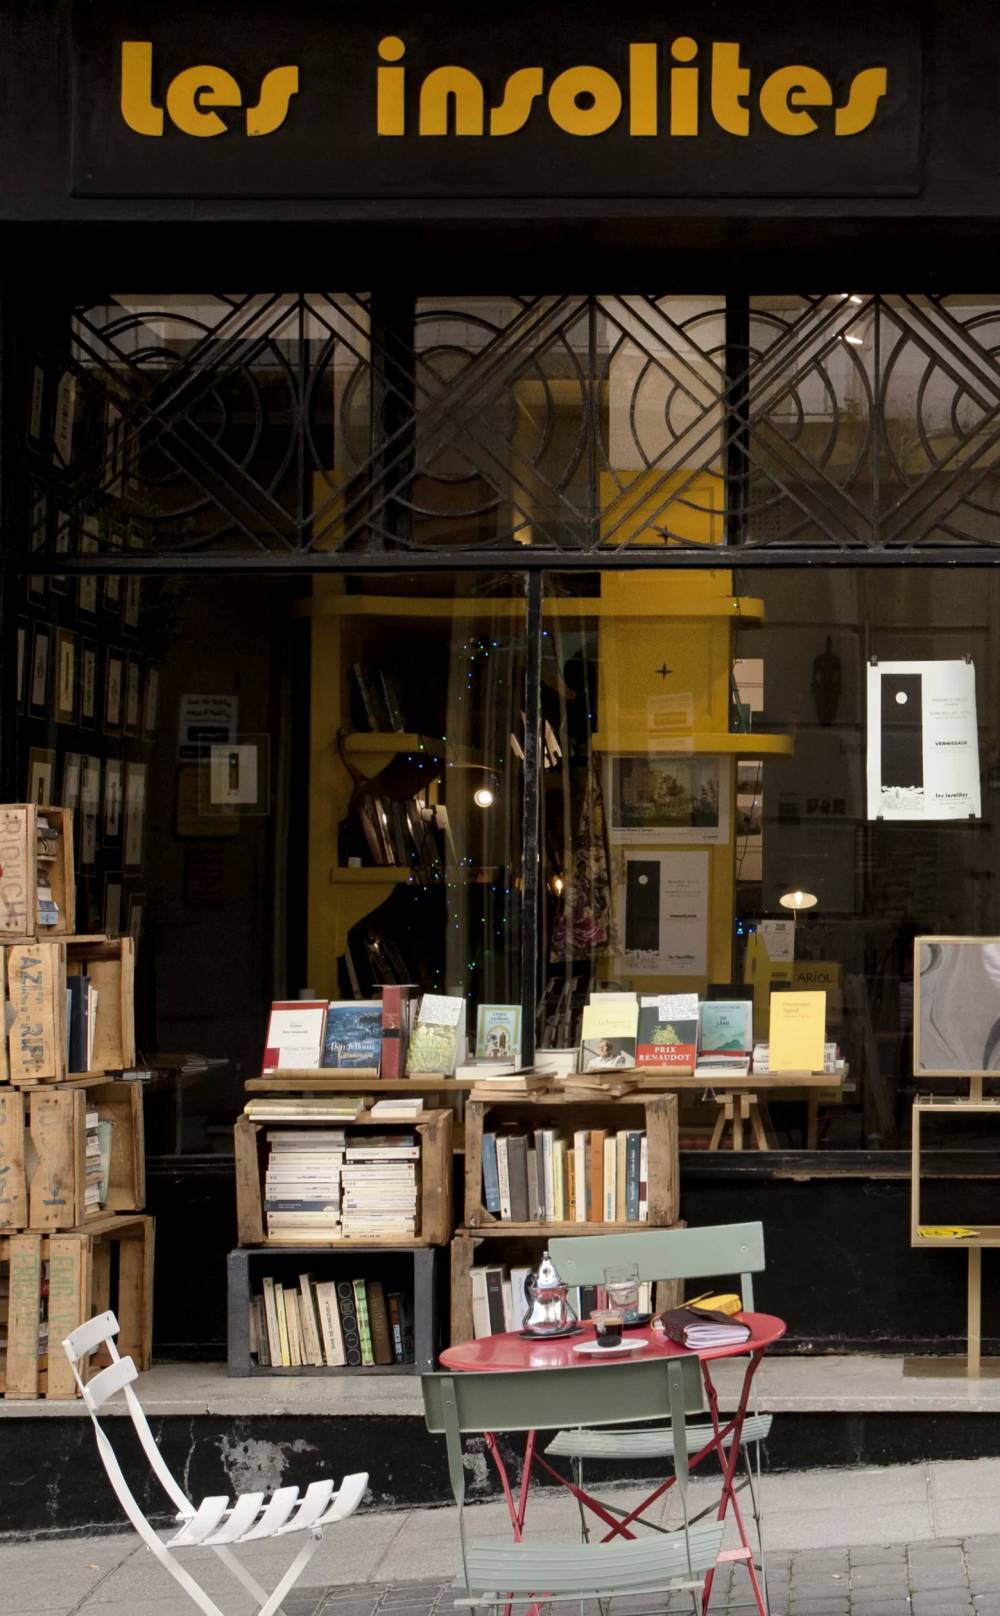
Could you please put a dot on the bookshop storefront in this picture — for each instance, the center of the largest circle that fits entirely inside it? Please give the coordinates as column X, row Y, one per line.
column 601, row 596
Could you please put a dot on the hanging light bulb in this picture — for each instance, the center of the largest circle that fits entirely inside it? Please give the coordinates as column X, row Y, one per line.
column 484, row 796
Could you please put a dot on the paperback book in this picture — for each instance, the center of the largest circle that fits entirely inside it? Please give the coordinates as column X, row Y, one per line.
column 498, row 1033
column 295, row 1035
column 353, row 1037
column 668, row 1030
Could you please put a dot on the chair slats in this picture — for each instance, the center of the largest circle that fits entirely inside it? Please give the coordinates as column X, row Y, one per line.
column 314, row 1501
column 241, row 1517
column 656, row 1443
column 104, row 1385
column 275, row 1514
column 87, row 1336
column 204, row 1521
column 349, row 1495
column 539, row 1568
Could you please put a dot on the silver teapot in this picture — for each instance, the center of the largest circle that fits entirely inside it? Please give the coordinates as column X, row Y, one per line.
column 548, row 1311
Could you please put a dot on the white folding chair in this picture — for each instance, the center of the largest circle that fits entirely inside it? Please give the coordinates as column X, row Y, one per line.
column 214, row 1523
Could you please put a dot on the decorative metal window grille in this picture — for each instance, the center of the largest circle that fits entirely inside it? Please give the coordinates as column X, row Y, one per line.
column 341, row 429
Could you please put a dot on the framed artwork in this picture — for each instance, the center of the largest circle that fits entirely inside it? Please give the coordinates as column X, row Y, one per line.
column 71, row 780
column 237, row 776
column 23, row 639
column 113, row 778
column 113, row 693
column 39, row 539
column 956, row 1012
column 90, row 804
column 136, row 905
column 113, row 903
column 665, row 798
column 64, row 537
column 135, row 811
column 149, row 706
column 65, row 676
column 90, row 544
column 41, row 775
column 40, row 649
column 132, row 695
column 113, row 580
column 133, row 589
column 65, row 421
column 88, row 684
column 36, row 407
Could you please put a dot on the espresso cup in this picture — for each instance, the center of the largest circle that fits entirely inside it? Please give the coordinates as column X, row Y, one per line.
column 608, row 1324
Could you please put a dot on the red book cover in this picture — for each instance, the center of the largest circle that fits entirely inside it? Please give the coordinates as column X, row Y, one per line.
column 395, row 1019
column 668, row 1030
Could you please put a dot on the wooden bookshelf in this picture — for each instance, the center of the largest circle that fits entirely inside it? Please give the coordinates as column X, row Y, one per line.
column 434, row 1131
column 36, row 974
column 657, row 1114
column 43, row 1159
column 20, row 869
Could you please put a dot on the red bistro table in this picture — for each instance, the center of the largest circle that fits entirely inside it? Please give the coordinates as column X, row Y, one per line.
column 502, row 1354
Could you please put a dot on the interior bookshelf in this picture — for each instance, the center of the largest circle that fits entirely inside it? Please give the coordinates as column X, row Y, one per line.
column 43, row 1153
column 433, row 1130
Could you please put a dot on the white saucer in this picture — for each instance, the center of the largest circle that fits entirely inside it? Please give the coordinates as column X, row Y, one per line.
column 634, row 1343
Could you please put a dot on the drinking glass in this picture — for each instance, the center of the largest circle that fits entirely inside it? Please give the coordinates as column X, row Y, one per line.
column 622, row 1285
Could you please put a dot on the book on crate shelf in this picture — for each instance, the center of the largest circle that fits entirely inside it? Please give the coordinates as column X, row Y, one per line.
column 352, row 1036
column 305, row 1108
column 608, row 1032
column 98, row 1160
column 326, row 1323
column 302, row 1185
column 498, row 1033
column 379, row 1187
column 500, row 1301
column 309, row 1034
column 46, row 842
column 437, row 1042
column 81, row 1022
column 668, row 1030
column 590, row 1176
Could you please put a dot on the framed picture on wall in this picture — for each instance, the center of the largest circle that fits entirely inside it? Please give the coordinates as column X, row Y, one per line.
column 88, row 684
column 90, row 544
column 90, row 807
column 66, row 680
column 151, row 699
column 59, row 583
column 113, row 692
column 39, row 540
column 956, row 1007
column 135, row 812
column 41, row 775
column 113, row 903
column 71, row 780
column 40, row 651
column 136, row 905
column 658, row 797
column 113, row 580
column 132, row 695
column 23, row 641
column 113, row 801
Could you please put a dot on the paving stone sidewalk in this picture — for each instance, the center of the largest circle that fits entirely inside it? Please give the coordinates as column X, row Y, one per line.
column 944, row 1577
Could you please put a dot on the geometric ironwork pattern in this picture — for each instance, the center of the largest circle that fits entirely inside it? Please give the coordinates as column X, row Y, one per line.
column 333, row 424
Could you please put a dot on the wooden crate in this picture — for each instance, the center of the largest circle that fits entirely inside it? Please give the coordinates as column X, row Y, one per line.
column 434, row 1130
column 469, row 1247
column 36, row 979
column 42, row 1153
column 19, row 869
column 657, row 1113
column 76, row 1276
column 247, row 1267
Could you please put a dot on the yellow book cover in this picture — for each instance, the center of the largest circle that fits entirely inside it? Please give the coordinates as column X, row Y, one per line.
column 798, row 1032
column 621, row 1151
column 610, row 1174
column 559, row 1180
column 571, row 1186
column 610, row 1015
column 279, row 1302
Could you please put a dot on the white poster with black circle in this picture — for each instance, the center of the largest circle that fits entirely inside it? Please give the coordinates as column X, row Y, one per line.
column 923, row 744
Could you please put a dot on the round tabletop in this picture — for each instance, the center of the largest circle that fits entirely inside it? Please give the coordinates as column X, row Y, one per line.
column 510, row 1352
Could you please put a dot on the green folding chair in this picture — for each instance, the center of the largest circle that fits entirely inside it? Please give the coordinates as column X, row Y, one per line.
column 494, row 1574
column 718, row 1251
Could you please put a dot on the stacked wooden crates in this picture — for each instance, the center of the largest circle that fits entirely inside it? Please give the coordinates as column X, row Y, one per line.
column 59, row 1261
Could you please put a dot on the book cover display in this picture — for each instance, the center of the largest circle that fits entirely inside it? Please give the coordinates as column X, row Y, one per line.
column 668, row 1030
column 438, row 1039
column 353, row 1037
column 498, row 1032
column 726, row 1027
column 608, row 1032
column 295, row 1035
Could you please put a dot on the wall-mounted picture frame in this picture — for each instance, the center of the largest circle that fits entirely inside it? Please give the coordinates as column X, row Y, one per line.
column 114, row 800
column 66, row 676
column 151, row 699
column 136, row 909
column 114, row 678
column 90, row 544
column 956, row 1006
column 135, row 812
column 71, row 776
column 41, row 775
column 41, row 650
column 90, row 807
column 668, row 799
column 23, row 642
column 88, row 684
column 113, row 886
column 133, row 695
column 62, row 544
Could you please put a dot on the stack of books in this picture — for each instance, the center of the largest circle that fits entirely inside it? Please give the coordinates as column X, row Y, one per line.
column 46, row 841
column 81, row 1022
column 591, row 1176
column 725, row 1039
column 379, row 1183
column 302, row 1185
column 329, row 1323
column 98, row 1160
column 306, row 1108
